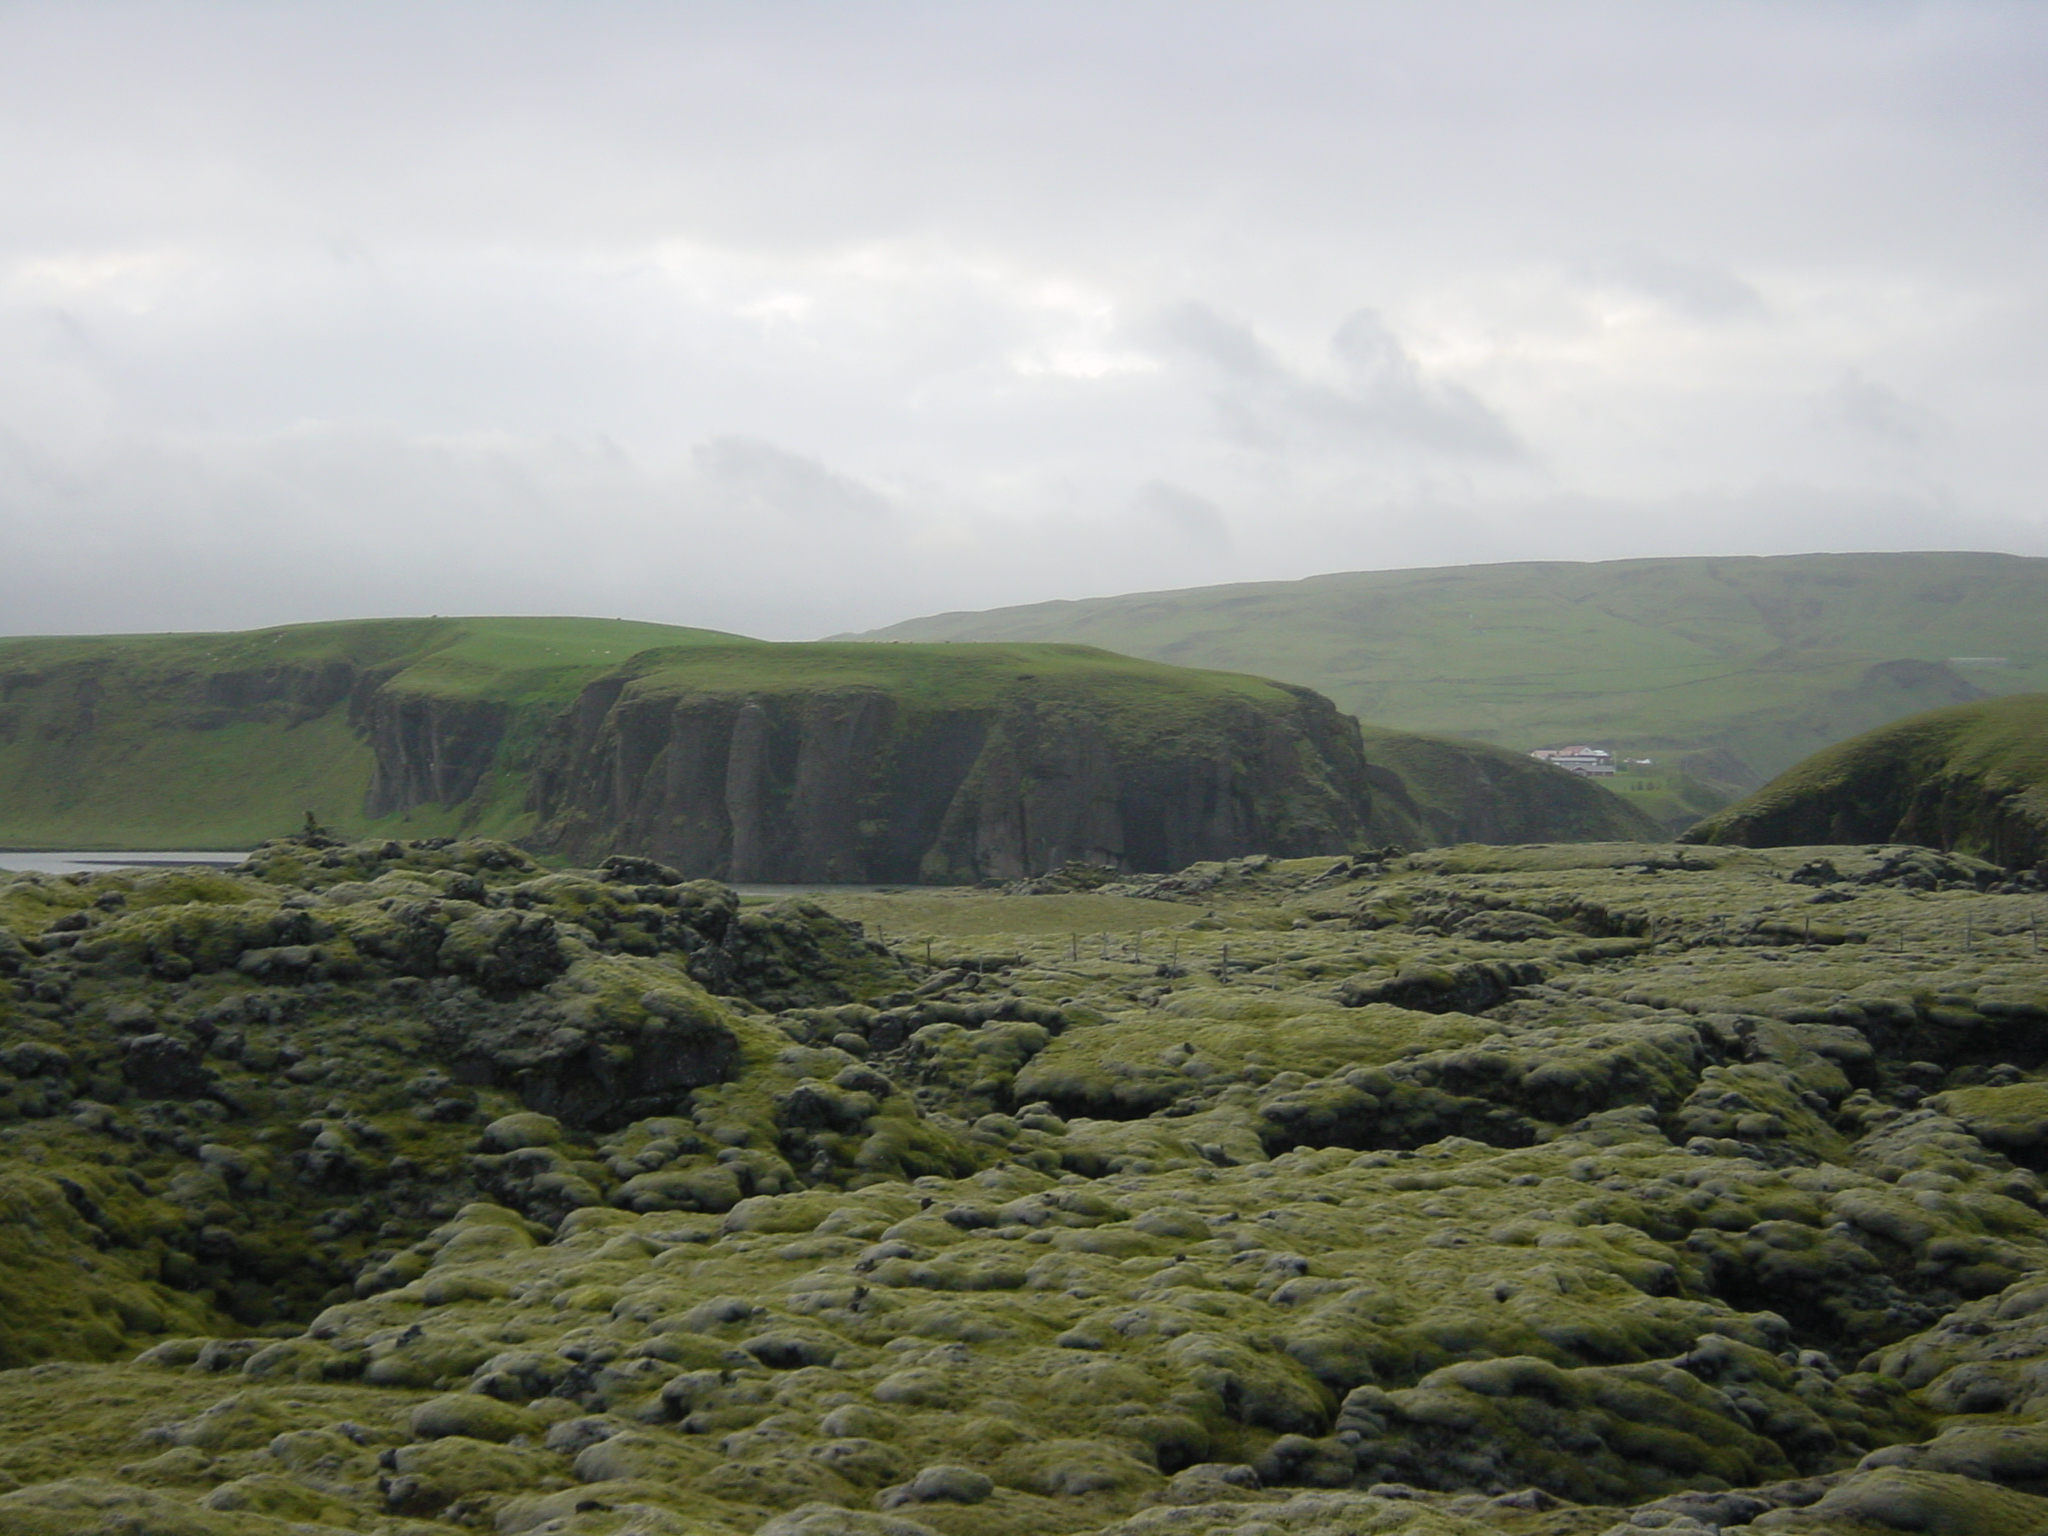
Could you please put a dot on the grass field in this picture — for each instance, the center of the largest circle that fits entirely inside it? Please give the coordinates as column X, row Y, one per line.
column 454, row 655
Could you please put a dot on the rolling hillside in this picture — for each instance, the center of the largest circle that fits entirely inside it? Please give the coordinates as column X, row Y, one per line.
column 1727, row 669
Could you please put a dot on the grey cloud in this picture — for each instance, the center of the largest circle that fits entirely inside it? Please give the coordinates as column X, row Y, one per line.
column 1882, row 412
column 1383, row 401
column 750, row 476
column 1191, row 518
column 68, row 339
column 329, row 521
column 1698, row 289
column 1226, row 344
column 1389, row 389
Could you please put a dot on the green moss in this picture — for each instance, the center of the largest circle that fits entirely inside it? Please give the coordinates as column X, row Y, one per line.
column 1675, row 1213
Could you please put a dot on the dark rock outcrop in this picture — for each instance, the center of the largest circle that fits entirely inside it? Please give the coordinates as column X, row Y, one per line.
column 865, row 783
column 428, row 750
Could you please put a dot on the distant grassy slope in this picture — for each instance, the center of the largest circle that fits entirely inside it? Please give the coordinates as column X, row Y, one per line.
column 1972, row 778
column 1737, row 667
column 224, row 739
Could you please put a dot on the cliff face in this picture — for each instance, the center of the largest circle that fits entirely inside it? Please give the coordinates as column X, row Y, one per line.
column 866, row 784
column 1971, row 779
column 426, row 750
column 819, row 786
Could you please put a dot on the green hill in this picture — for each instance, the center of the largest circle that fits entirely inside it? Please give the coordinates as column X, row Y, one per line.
column 1972, row 779
column 1726, row 670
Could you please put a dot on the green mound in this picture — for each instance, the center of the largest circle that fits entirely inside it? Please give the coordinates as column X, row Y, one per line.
column 1726, row 670
column 1972, row 778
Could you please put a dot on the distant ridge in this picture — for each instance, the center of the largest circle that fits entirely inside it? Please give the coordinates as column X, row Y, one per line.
column 1730, row 667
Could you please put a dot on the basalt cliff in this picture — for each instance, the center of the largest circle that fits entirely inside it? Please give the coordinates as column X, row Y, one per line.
column 944, row 764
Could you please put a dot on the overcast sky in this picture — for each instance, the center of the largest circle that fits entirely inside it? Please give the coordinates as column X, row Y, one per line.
column 812, row 315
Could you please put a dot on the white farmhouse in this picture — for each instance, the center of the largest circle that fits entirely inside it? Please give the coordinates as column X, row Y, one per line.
column 1591, row 762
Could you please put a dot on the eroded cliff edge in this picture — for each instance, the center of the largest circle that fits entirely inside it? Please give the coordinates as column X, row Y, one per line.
column 859, row 763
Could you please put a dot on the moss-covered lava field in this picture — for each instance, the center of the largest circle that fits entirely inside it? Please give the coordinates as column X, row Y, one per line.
column 1546, row 1191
